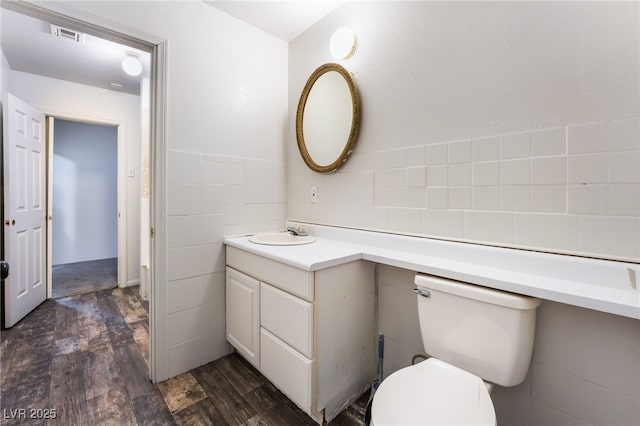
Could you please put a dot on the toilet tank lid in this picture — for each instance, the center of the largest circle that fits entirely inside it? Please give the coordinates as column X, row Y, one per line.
column 477, row 292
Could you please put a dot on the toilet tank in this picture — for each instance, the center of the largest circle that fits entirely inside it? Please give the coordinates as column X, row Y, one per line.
column 481, row 330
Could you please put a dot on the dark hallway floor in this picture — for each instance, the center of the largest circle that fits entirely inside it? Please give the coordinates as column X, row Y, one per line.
column 84, row 277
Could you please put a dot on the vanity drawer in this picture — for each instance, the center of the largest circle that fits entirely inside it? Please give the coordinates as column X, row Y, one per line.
column 286, row 277
column 288, row 317
column 286, row 368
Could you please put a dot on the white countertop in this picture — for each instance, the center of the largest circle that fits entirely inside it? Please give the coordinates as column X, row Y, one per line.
column 607, row 286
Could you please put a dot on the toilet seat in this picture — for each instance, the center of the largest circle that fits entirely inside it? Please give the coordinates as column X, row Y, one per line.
column 432, row 393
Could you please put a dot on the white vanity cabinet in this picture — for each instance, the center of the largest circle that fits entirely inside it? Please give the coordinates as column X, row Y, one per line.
column 316, row 328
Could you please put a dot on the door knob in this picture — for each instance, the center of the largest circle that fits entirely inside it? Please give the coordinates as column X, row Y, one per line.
column 4, row 269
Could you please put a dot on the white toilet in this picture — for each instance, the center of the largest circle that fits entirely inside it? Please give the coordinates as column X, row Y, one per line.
column 472, row 334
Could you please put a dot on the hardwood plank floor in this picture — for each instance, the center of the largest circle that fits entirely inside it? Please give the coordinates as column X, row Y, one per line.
column 85, row 357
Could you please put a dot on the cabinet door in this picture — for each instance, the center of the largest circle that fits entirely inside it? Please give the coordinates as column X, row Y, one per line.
column 243, row 315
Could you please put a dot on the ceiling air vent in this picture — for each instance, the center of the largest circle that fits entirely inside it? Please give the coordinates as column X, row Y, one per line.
column 66, row 33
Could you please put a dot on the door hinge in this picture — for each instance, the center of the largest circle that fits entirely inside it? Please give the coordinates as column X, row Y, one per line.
column 152, row 232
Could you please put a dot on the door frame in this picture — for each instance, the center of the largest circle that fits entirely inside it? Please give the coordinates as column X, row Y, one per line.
column 121, row 185
column 65, row 15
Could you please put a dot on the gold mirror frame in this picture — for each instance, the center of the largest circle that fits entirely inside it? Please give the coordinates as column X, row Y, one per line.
column 355, row 120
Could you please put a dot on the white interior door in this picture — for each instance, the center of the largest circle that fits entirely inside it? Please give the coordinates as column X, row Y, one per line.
column 25, row 210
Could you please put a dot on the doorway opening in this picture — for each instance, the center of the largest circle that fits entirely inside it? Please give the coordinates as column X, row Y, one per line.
column 84, row 204
column 154, row 114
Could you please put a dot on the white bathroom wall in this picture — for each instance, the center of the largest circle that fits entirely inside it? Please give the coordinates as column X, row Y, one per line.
column 85, row 192
column 505, row 123
column 71, row 100
column 585, row 368
column 225, row 118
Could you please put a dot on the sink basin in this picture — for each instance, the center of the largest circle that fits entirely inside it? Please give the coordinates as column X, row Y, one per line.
column 281, row 239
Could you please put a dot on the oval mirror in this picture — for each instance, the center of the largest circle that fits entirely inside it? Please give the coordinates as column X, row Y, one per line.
column 328, row 118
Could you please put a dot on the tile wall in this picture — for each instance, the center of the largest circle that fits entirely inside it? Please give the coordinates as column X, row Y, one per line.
column 570, row 189
column 585, row 368
column 210, row 197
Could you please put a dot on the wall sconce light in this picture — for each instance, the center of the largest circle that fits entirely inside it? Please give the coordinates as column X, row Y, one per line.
column 131, row 64
column 343, row 43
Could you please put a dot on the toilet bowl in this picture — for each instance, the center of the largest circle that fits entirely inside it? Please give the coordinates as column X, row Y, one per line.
column 473, row 335
column 432, row 393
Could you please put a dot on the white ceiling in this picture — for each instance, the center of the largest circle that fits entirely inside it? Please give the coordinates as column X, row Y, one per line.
column 29, row 47
column 283, row 19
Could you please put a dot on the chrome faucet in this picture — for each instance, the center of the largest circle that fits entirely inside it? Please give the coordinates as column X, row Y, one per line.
column 297, row 231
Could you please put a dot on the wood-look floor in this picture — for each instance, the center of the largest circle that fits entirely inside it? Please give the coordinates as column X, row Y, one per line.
column 86, row 358
column 84, row 277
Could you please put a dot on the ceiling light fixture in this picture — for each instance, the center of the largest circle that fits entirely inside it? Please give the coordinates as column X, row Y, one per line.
column 343, row 43
column 131, row 64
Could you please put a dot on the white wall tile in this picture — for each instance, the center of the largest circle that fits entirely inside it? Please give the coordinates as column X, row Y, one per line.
column 515, row 146
column 398, row 158
column 416, row 197
column 195, row 291
column 437, row 198
column 614, row 236
column 417, row 176
column 515, row 172
column 381, row 160
column 624, row 167
column 549, row 170
column 543, row 414
column 437, row 175
column 549, row 198
column 486, row 173
column 398, row 177
column 460, row 197
column 486, row 198
column 459, row 174
column 214, row 197
column 588, row 168
column 363, row 179
column 587, row 138
column 184, row 199
column 547, row 231
column 489, row 226
column 614, row 368
column 513, row 404
column 233, row 173
column 183, row 357
column 460, row 152
column 623, row 135
column 186, row 262
column 515, row 198
column 258, row 172
column 183, row 167
column 624, row 199
column 485, row 149
column 588, row 199
column 437, row 154
column 549, row 142
column 212, row 173
column 189, row 324
column 381, row 178
column 416, row 156
column 212, row 228
column 444, row 223
column 405, row 220
column 213, row 346
column 184, row 231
